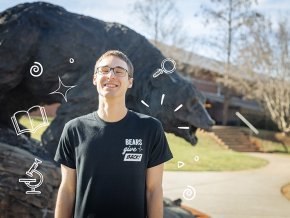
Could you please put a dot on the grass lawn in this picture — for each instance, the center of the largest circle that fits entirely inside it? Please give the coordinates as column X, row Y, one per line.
column 210, row 156
column 267, row 141
column 207, row 155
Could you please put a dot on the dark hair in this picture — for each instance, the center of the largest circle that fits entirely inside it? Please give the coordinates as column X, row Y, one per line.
column 120, row 55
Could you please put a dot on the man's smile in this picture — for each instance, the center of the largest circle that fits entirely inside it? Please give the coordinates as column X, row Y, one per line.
column 110, row 85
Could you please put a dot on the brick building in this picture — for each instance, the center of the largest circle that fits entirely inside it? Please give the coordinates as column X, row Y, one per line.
column 205, row 73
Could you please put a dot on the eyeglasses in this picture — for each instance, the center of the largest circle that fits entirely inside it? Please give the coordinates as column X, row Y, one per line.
column 118, row 71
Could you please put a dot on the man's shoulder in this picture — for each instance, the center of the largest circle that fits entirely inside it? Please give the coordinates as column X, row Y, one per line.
column 77, row 121
column 144, row 118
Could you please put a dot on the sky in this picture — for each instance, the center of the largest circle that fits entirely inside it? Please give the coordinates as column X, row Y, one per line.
column 121, row 11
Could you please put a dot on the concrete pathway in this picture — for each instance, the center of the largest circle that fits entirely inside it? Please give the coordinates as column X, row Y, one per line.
column 243, row 194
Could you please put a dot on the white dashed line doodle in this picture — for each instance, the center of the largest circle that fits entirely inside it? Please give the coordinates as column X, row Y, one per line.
column 143, row 102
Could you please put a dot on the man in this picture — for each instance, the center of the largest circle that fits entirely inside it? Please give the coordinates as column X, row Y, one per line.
column 112, row 159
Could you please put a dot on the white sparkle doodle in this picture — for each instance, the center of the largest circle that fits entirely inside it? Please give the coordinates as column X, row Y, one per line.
column 36, row 69
column 61, row 85
column 189, row 193
column 163, row 69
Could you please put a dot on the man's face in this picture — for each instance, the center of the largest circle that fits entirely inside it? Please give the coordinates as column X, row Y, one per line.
column 110, row 85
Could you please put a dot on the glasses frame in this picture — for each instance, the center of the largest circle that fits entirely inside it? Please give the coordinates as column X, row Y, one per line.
column 112, row 69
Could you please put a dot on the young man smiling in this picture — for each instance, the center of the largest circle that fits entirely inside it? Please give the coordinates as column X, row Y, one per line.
column 112, row 159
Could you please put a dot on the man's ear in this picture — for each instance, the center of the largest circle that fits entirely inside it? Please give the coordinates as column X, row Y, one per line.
column 95, row 79
column 130, row 83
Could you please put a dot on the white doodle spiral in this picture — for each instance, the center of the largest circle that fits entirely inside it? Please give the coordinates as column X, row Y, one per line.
column 36, row 69
column 189, row 193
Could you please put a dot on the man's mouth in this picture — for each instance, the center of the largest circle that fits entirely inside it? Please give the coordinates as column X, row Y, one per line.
column 110, row 85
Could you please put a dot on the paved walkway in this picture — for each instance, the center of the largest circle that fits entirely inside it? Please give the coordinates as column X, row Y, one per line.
column 243, row 194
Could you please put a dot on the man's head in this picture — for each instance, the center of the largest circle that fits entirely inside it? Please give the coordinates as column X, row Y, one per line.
column 113, row 74
column 119, row 55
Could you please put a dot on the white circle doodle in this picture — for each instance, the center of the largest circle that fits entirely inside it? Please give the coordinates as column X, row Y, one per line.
column 36, row 69
column 163, row 67
column 196, row 158
column 71, row 60
column 189, row 193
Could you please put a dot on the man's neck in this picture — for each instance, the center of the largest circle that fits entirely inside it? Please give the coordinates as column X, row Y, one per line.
column 111, row 110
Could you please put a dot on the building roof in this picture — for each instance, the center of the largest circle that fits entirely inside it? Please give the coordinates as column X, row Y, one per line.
column 234, row 101
column 191, row 58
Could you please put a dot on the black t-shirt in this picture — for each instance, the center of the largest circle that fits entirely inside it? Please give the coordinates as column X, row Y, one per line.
column 111, row 160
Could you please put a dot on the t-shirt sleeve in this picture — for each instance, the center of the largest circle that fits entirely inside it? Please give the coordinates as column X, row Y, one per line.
column 65, row 153
column 159, row 149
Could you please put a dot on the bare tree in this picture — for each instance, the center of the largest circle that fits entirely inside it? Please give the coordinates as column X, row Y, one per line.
column 265, row 63
column 230, row 16
column 161, row 20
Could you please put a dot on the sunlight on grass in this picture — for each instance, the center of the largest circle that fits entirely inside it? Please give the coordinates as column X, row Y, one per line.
column 37, row 120
column 211, row 156
column 271, row 146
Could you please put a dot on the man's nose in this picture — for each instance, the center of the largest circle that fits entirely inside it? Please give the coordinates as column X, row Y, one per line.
column 111, row 74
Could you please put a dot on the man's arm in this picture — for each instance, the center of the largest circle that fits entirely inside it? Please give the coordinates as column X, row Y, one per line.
column 154, row 191
column 66, row 193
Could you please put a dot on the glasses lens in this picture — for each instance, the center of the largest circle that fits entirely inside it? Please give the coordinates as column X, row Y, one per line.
column 104, row 70
column 120, row 71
